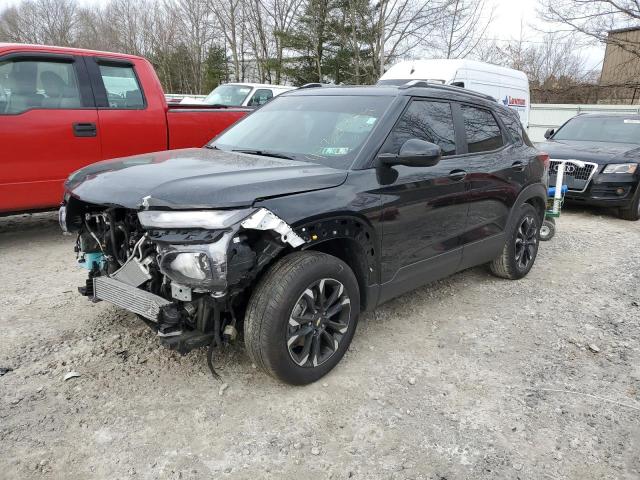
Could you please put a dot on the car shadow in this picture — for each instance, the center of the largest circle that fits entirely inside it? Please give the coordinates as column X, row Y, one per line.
column 29, row 226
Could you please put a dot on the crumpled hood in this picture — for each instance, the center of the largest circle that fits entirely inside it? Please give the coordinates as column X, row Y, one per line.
column 195, row 178
column 596, row 152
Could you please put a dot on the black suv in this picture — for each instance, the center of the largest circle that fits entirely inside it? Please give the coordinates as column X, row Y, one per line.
column 609, row 147
column 320, row 204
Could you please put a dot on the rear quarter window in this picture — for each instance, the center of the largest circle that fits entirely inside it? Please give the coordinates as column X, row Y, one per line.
column 513, row 126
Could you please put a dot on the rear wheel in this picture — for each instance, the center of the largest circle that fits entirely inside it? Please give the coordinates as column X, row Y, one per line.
column 302, row 316
column 632, row 212
column 521, row 248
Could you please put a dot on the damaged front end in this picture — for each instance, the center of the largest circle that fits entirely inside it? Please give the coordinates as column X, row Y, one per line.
column 185, row 272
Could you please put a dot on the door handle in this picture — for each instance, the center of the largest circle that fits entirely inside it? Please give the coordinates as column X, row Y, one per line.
column 85, row 129
column 457, row 175
column 518, row 166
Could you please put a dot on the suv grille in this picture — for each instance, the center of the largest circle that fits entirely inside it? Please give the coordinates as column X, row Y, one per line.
column 575, row 178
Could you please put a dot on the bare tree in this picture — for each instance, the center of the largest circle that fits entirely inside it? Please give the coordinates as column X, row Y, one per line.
column 196, row 27
column 594, row 19
column 283, row 14
column 463, row 26
column 399, row 26
column 40, row 21
column 229, row 14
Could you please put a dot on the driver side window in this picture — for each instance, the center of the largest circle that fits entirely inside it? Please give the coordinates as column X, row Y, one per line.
column 261, row 97
column 37, row 84
column 425, row 120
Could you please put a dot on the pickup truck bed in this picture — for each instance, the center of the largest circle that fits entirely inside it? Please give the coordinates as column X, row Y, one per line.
column 64, row 108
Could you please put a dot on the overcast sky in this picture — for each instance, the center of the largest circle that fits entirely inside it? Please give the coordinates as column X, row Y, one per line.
column 508, row 16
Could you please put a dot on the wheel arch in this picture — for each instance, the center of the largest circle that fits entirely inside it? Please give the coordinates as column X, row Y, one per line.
column 536, row 196
column 352, row 240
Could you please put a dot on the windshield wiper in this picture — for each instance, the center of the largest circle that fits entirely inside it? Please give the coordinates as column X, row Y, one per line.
column 264, row 153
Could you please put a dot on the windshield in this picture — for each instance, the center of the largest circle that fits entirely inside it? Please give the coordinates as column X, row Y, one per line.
column 329, row 130
column 229, row 95
column 601, row 129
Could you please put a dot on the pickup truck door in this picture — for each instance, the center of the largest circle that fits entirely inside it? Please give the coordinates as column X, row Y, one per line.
column 131, row 106
column 425, row 209
column 48, row 127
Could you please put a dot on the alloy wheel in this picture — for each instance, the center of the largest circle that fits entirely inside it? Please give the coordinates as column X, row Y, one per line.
column 526, row 242
column 318, row 322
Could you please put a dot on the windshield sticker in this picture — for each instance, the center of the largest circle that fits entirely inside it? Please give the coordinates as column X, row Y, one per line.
column 628, row 120
column 335, row 151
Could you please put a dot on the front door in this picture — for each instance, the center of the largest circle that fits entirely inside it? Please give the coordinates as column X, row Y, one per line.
column 48, row 128
column 424, row 210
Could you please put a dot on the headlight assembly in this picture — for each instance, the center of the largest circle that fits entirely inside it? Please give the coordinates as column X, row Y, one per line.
column 206, row 219
column 620, row 168
column 197, row 266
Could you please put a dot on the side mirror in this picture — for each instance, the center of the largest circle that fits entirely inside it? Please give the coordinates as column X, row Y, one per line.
column 549, row 133
column 413, row 153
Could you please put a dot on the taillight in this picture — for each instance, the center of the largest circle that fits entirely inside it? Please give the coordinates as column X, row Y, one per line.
column 544, row 158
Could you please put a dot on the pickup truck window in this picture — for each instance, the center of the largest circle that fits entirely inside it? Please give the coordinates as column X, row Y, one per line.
column 328, row 130
column 228, row 95
column 121, row 84
column 26, row 85
column 262, row 96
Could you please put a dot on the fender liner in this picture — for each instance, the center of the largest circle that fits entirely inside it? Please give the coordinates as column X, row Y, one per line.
column 358, row 231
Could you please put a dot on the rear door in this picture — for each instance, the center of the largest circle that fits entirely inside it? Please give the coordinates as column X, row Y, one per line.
column 495, row 177
column 425, row 210
column 48, row 127
column 131, row 120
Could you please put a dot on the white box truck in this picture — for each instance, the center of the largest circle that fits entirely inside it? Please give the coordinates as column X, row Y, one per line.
column 506, row 85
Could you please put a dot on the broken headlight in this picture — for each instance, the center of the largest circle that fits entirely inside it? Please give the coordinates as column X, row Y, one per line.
column 206, row 219
column 197, row 266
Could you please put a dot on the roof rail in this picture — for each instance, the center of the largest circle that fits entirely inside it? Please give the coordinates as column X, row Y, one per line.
column 428, row 84
column 311, row 85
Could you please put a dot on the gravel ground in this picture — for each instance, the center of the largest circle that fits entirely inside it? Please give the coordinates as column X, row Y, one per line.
column 471, row 377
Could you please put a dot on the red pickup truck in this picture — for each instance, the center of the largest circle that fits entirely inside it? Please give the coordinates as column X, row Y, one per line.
column 64, row 108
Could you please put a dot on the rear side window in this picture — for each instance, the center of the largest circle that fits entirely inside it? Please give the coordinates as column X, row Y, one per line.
column 482, row 130
column 514, row 127
column 121, row 84
column 261, row 97
column 425, row 120
column 34, row 84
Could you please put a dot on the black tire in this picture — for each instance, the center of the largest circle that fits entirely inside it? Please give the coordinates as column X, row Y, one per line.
column 632, row 212
column 510, row 263
column 289, row 289
column 548, row 229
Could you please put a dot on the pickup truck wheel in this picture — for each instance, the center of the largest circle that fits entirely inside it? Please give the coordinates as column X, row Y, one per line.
column 521, row 248
column 633, row 211
column 302, row 316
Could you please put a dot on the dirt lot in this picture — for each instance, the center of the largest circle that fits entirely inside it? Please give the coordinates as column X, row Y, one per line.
column 469, row 378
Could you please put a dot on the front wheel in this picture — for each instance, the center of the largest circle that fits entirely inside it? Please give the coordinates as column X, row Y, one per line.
column 521, row 248
column 632, row 212
column 302, row 316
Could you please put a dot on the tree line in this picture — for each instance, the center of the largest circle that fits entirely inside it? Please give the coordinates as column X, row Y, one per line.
column 197, row 44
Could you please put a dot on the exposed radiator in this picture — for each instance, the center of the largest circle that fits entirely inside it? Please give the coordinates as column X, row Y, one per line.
column 130, row 298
